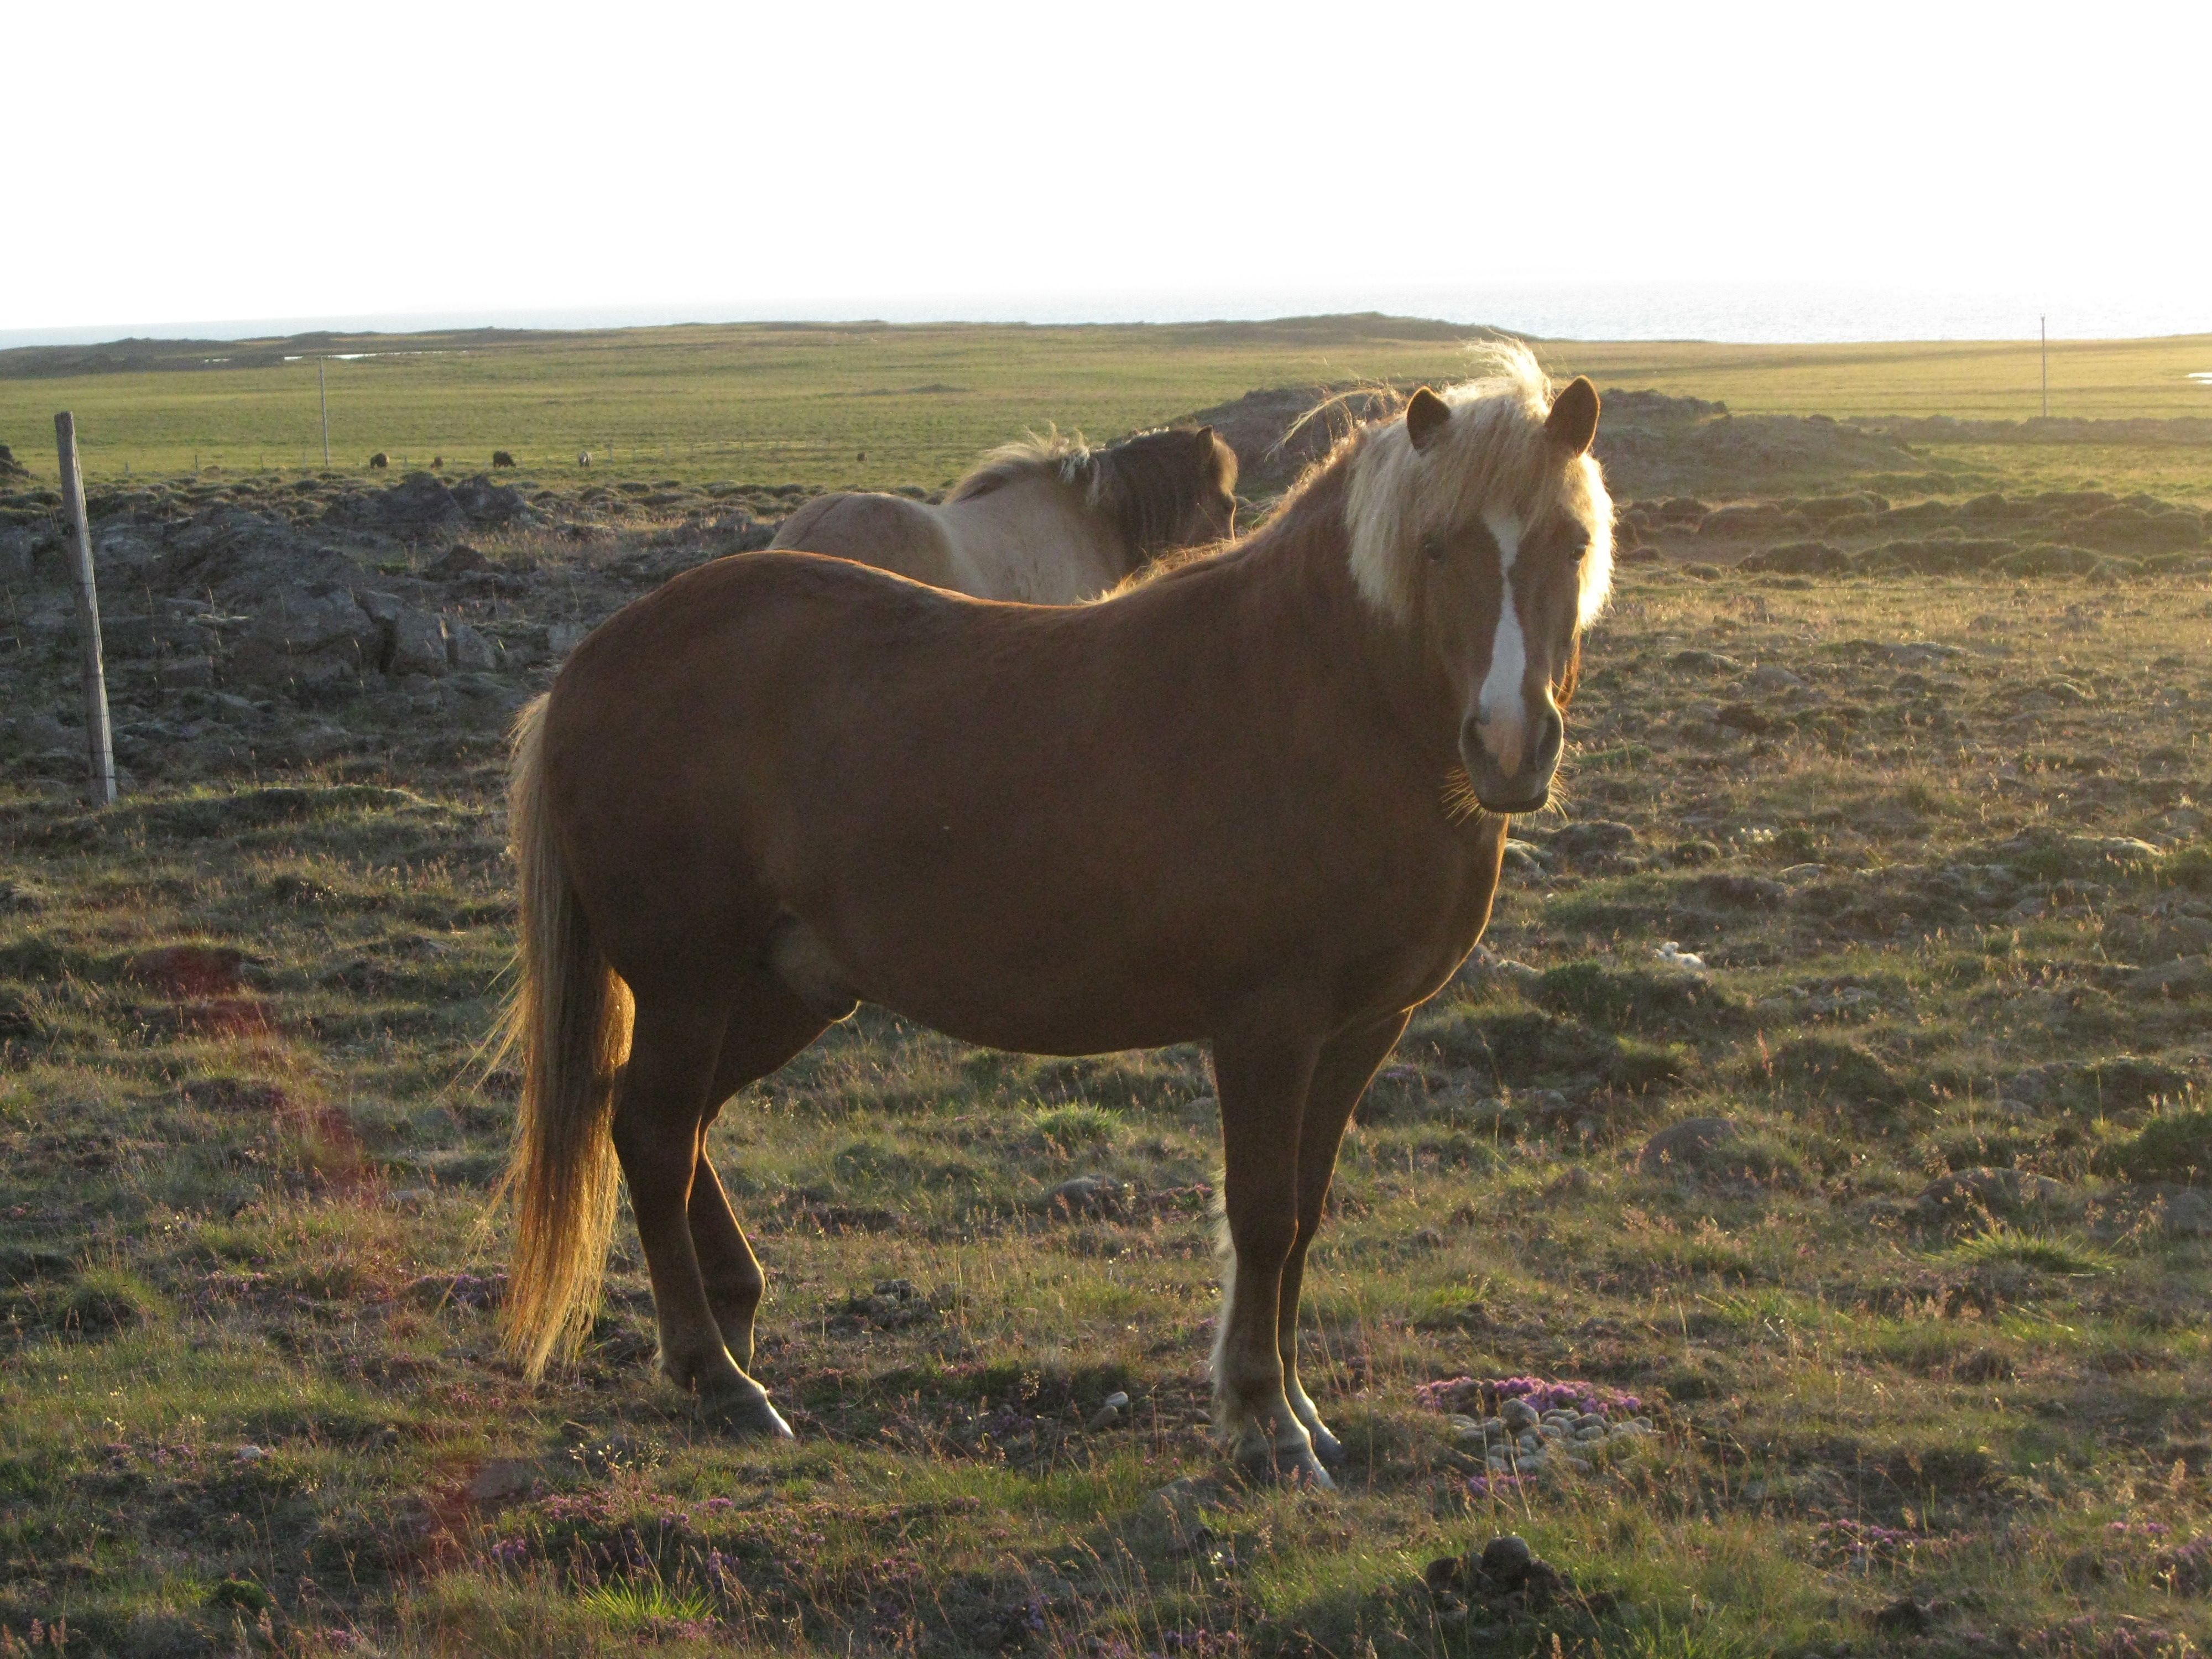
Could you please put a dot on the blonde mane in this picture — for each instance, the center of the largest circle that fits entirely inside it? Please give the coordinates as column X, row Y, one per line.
column 1493, row 456
column 1065, row 457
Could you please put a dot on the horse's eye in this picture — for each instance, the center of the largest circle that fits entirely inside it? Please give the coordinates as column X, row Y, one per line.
column 1578, row 549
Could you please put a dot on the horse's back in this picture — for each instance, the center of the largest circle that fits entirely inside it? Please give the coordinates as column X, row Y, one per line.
column 888, row 532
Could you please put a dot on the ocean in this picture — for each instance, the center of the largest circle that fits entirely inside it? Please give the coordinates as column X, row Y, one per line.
column 1762, row 313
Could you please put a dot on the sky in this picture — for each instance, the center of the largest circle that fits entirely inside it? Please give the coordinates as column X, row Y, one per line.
column 1611, row 169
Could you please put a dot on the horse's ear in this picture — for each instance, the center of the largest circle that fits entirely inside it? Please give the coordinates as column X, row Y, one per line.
column 1572, row 422
column 1425, row 416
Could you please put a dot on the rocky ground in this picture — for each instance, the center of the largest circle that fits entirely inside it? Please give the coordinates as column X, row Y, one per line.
column 1792, row 1225
column 268, row 624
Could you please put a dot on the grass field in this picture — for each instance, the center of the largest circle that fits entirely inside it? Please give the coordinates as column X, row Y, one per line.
column 248, row 1396
column 879, row 406
column 1901, row 873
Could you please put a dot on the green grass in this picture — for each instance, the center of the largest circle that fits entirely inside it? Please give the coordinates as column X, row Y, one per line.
column 2048, row 1252
column 876, row 406
column 276, row 1239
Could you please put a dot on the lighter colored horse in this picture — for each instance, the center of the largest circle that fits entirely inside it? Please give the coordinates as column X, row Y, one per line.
column 1046, row 520
column 1258, row 800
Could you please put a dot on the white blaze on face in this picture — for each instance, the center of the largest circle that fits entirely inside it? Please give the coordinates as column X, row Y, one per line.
column 1501, row 707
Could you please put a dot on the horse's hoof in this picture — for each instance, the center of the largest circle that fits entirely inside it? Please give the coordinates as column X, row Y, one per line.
column 748, row 1416
column 1329, row 1449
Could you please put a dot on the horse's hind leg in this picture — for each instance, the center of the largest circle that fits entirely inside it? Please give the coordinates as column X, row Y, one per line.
column 1342, row 1074
column 769, row 1026
column 1262, row 1077
column 660, row 1125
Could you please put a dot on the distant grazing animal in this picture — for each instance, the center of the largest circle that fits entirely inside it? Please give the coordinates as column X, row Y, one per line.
column 378, row 461
column 1260, row 799
column 500, row 457
column 584, row 458
column 1047, row 521
column 437, row 464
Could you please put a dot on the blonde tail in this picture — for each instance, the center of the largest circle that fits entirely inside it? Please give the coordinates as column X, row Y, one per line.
column 570, row 1016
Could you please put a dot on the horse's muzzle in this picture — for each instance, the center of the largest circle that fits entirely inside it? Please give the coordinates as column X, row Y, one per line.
column 1527, row 787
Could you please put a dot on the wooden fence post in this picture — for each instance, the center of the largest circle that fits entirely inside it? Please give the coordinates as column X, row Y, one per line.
column 98, row 744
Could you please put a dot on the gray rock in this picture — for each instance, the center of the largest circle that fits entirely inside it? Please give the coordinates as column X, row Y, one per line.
column 418, row 644
column 2183, row 977
column 198, row 670
column 414, row 507
column 1593, row 838
column 561, row 638
column 468, row 650
column 1771, row 677
column 1087, row 1195
column 1520, row 855
column 1179, row 1507
column 1506, row 1560
column 1998, row 1192
column 2186, row 1214
column 502, row 1481
column 304, row 637
column 485, row 502
column 1696, row 662
column 1518, row 1414
column 1684, row 1144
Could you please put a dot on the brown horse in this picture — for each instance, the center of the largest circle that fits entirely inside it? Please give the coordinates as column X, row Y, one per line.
column 1258, row 799
column 1047, row 521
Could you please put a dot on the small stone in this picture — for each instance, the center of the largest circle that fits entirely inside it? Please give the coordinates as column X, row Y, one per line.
column 1506, row 1560
column 251, row 1454
column 418, row 645
column 1684, row 1144
column 1086, row 1195
column 500, row 1480
column 2186, row 1214
column 469, row 650
column 1518, row 1414
column 1588, row 1435
column 1591, row 1420
column 1772, row 676
column 1999, row 1192
column 1179, row 1505
column 1520, row 856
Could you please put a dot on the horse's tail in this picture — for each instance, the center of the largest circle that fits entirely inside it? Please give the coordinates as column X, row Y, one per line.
column 570, row 1016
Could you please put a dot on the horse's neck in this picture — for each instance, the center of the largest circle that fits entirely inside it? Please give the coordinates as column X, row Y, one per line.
column 1032, row 540
column 1292, row 585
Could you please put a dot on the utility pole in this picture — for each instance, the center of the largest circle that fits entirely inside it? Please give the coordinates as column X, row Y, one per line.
column 100, row 746
column 325, row 393
column 2044, row 323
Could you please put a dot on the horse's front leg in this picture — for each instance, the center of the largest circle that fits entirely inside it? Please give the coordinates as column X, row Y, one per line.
column 1262, row 1077
column 1341, row 1075
column 659, row 1124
